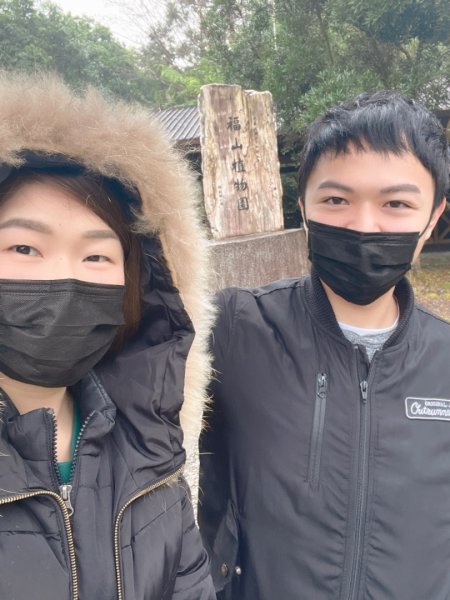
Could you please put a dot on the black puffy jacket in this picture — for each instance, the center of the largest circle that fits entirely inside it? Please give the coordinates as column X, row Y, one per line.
column 324, row 477
column 132, row 534
column 123, row 539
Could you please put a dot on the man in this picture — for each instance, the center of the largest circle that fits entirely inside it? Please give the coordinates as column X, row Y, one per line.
column 326, row 459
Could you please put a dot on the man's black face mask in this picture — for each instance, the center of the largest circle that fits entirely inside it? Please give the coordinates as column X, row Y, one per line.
column 360, row 267
column 53, row 332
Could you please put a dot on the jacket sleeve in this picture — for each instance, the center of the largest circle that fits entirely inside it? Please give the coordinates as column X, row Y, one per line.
column 216, row 514
column 193, row 581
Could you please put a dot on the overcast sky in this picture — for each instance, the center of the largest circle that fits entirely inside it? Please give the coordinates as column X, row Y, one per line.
column 113, row 14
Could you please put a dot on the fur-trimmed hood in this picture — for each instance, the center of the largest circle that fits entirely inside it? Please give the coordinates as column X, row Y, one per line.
column 121, row 141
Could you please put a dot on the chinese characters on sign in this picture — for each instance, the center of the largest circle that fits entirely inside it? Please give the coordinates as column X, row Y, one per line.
column 239, row 160
column 237, row 165
column 233, row 124
column 243, row 203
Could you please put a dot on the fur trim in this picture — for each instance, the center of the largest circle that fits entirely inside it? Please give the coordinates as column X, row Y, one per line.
column 122, row 141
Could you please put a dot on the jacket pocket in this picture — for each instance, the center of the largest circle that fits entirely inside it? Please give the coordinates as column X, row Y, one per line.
column 315, row 450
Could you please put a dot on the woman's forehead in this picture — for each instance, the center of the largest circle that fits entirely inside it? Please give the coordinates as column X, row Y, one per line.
column 45, row 201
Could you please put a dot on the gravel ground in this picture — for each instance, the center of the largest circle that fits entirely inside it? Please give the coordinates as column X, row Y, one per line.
column 431, row 281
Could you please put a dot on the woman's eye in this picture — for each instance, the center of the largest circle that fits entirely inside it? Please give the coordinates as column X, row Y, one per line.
column 23, row 249
column 97, row 258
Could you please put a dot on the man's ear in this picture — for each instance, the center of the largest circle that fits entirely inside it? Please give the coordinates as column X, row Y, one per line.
column 435, row 218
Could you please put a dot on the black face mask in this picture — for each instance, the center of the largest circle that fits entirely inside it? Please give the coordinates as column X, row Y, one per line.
column 53, row 332
column 360, row 267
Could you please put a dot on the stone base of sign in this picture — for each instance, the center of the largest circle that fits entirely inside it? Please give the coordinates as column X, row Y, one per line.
column 254, row 260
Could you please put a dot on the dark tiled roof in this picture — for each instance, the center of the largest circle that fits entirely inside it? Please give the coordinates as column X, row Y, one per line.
column 182, row 124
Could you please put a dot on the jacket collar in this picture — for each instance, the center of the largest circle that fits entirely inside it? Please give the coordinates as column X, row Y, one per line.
column 320, row 307
column 27, row 442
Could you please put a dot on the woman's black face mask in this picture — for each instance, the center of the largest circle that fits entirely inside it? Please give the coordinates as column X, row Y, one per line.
column 53, row 332
column 360, row 267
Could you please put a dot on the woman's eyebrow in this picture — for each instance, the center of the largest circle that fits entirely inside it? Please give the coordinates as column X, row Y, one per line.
column 100, row 234
column 40, row 227
column 26, row 224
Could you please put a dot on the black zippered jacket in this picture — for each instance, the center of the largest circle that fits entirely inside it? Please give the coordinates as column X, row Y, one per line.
column 131, row 535
column 324, row 477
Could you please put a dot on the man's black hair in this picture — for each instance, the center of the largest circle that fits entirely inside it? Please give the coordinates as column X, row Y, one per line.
column 386, row 122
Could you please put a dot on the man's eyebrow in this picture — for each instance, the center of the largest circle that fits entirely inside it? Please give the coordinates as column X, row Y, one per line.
column 329, row 183
column 401, row 187
column 26, row 224
column 392, row 189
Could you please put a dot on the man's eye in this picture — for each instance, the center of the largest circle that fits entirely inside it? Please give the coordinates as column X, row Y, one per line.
column 96, row 258
column 335, row 200
column 23, row 249
column 397, row 204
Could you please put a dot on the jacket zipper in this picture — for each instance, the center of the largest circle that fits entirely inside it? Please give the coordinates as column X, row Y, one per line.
column 361, row 493
column 67, row 526
column 351, row 590
column 317, row 430
column 66, row 488
column 151, row 488
column 77, row 444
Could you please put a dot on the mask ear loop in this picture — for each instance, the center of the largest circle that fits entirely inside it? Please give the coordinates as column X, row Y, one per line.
column 305, row 219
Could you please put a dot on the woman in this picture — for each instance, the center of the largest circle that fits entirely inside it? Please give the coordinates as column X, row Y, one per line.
column 98, row 240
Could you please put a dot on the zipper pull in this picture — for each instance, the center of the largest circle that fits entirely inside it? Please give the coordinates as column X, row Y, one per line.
column 65, row 491
column 321, row 384
column 363, row 388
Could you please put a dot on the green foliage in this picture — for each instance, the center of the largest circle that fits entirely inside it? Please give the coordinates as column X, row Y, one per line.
column 332, row 86
column 240, row 40
column 35, row 39
column 309, row 53
column 178, row 87
column 397, row 21
column 291, row 210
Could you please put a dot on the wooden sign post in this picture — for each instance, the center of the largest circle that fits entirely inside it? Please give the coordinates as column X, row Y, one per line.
column 241, row 171
column 242, row 189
